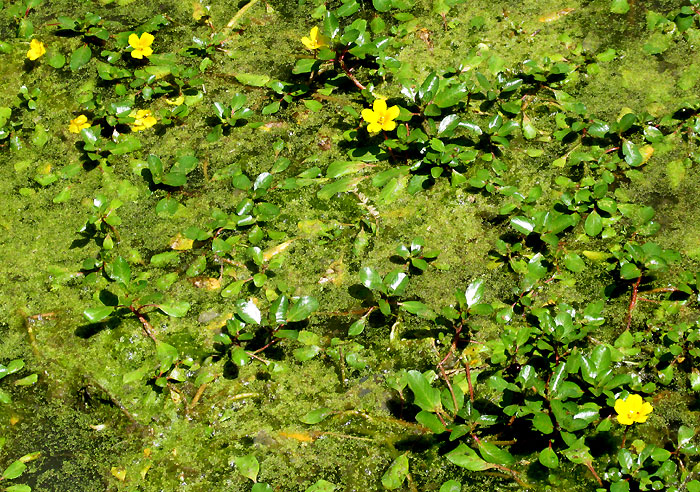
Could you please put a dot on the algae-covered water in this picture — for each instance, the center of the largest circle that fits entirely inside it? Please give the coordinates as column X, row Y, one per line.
column 255, row 293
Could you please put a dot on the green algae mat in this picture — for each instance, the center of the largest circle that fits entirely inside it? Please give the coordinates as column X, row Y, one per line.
column 357, row 245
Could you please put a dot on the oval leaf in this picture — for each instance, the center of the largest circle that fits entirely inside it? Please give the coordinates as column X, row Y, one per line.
column 248, row 311
column 14, row 470
column 396, row 474
column 248, row 466
column 175, row 309
column 97, row 314
column 302, row 309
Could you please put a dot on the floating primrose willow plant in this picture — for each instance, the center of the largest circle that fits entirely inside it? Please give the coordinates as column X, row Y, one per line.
column 312, row 42
column 36, row 49
column 142, row 119
column 380, row 117
column 141, row 45
column 78, row 123
column 632, row 410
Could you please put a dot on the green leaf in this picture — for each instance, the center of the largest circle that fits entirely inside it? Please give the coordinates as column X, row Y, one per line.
column 630, row 271
column 27, row 381
column 431, row 421
column 633, row 156
column 303, row 354
column 176, row 309
column 451, row 486
column 396, row 282
column 341, row 168
column 621, row 486
column 248, row 311
column 271, row 108
column 321, row 486
column 125, row 143
column 549, row 458
column 306, row 65
column 466, row 457
column 474, row 293
column 121, row 272
column 80, row 57
column 342, row 185
column 97, row 314
column 594, row 224
column 166, row 354
column 543, row 423
column 419, row 309
column 5, row 397
column 685, row 435
column 396, row 474
column 252, row 79
column 162, row 259
column 302, row 309
column 371, row 279
column 239, row 356
column 14, row 470
column 424, row 395
column 248, row 466
column 316, row 416
column 278, row 310
column 619, row 6
column 349, row 7
column 494, row 454
column 694, row 378
column 18, row 488
column 382, row 5
column 574, row 262
column 357, row 327
column 522, row 224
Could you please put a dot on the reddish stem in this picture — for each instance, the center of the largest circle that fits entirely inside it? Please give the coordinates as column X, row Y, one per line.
column 633, row 301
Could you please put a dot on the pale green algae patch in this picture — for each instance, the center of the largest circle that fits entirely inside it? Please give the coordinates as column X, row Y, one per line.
column 251, row 409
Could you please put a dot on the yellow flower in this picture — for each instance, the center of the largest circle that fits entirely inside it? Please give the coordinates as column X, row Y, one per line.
column 36, row 49
column 632, row 409
column 142, row 45
column 78, row 124
column 380, row 117
column 143, row 119
column 313, row 42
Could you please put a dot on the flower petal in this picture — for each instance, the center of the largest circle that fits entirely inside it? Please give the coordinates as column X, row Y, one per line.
column 379, row 106
column 369, row 116
column 388, row 125
column 634, row 401
column 393, row 112
column 374, row 128
column 646, row 408
column 147, row 39
column 314, row 33
column 621, row 406
column 624, row 419
column 133, row 40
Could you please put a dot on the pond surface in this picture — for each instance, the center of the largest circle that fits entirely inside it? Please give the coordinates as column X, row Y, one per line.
column 223, row 281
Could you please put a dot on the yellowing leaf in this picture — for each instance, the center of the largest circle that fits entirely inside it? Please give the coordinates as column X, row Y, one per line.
column 595, row 255
column 275, row 250
column 177, row 101
column 181, row 243
column 119, row 473
column 555, row 15
column 197, row 11
column 647, row 151
column 207, row 283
